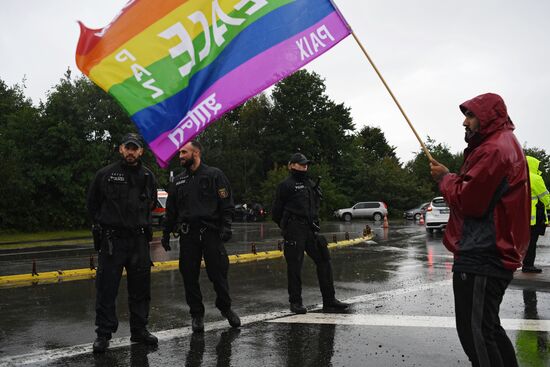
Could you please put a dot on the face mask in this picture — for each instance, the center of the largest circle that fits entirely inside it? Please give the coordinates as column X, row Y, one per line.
column 300, row 175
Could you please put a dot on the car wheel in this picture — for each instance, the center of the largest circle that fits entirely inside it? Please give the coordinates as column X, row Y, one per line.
column 417, row 216
column 347, row 217
column 377, row 217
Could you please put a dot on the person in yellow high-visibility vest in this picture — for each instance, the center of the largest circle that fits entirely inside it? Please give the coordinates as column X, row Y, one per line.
column 540, row 202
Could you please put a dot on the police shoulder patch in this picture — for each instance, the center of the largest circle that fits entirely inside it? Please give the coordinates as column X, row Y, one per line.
column 222, row 193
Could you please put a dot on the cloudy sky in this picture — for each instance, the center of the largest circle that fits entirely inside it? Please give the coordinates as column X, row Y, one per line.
column 434, row 54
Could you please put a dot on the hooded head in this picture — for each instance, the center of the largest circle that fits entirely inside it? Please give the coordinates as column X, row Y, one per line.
column 491, row 112
column 533, row 164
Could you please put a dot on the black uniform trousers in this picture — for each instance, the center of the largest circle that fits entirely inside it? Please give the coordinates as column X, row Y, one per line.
column 193, row 246
column 299, row 237
column 529, row 259
column 477, row 304
column 132, row 253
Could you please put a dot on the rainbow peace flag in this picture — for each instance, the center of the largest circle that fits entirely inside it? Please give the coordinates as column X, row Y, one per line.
column 176, row 66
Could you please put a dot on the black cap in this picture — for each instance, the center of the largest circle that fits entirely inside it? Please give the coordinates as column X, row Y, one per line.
column 132, row 138
column 299, row 158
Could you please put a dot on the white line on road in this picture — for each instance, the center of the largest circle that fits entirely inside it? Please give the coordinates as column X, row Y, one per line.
column 42, row 356
column 403, row 321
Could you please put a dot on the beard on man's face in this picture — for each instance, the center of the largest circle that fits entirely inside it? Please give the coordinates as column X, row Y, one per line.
column 187, row 162
column 131, row 159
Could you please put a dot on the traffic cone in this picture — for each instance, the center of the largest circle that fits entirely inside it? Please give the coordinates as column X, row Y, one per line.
column 421, row 222
column 385, row 225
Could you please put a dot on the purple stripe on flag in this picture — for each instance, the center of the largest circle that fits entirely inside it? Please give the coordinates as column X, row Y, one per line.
column 250, row 79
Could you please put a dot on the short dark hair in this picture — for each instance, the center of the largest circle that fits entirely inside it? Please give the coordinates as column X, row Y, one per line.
column 196, row 145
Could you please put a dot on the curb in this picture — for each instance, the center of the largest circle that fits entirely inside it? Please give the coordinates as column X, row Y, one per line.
column 21, row 280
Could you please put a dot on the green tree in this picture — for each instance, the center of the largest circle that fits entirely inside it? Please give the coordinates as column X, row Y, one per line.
column 234, row 144
column 420, row 165
column 304, row 119
column 17, row 116
column 269, row 185
column 79, row 128
column 374, row 173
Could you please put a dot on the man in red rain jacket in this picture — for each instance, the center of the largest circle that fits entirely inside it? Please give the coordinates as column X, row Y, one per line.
column 488, row 229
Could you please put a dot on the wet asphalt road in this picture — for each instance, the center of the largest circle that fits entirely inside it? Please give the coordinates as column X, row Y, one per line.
column 264, row 235
column 401, row 314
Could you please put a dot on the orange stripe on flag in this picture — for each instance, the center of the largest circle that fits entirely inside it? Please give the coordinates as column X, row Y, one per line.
column 132, row 20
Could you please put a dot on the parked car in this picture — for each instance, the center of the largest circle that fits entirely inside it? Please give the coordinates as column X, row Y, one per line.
column 416, row 213
column 249, row 213
column 160, row 211
column 260, row 213
column 366, row 209
column 437, row 214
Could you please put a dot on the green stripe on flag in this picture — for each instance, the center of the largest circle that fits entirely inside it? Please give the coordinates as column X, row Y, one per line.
column 134, row 97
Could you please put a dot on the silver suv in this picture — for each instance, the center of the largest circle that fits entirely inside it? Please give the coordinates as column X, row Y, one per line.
column 366, row 209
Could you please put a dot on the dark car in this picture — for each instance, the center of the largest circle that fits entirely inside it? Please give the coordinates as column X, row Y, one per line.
column 416, row 213
column 249, row 213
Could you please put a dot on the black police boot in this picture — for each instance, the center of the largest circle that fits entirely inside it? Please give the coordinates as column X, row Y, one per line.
column 297, row 308
column 101, row 344
column 334, row 306
column 531, row 269
column 197, row 324
column 232, row 317
column 143, row 336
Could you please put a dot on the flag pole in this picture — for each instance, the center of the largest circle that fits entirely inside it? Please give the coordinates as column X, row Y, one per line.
column 424, row 148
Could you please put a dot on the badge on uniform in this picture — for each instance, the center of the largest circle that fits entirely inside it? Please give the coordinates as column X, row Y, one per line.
column 222, row 193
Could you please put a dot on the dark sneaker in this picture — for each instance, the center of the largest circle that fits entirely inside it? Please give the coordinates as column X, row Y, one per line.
column 297, row 308
column 335, row 306
column 531, row 269
column 143, row 336
column 197, row 324
column 101, row 344
column 232, row 317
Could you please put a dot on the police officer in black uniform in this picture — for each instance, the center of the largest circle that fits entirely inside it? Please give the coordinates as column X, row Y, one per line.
column 199, row 210
column 120, row 200
column 296, row 212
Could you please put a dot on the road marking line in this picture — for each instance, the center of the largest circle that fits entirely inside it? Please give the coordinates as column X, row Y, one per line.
column 399, row 291
column 42, row 356
column 403, row 321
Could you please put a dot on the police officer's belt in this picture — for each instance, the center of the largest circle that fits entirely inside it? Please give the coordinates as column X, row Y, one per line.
column 298, row 219
column 195, row 226
column 124, row 232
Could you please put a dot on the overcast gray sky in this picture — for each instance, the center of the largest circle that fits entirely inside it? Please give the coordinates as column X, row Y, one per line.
column 434, row 54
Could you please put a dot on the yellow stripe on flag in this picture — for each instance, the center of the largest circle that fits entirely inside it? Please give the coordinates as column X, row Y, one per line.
column 148, row 47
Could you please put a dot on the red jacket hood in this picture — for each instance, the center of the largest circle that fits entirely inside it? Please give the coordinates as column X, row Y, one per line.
column 490, row 110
